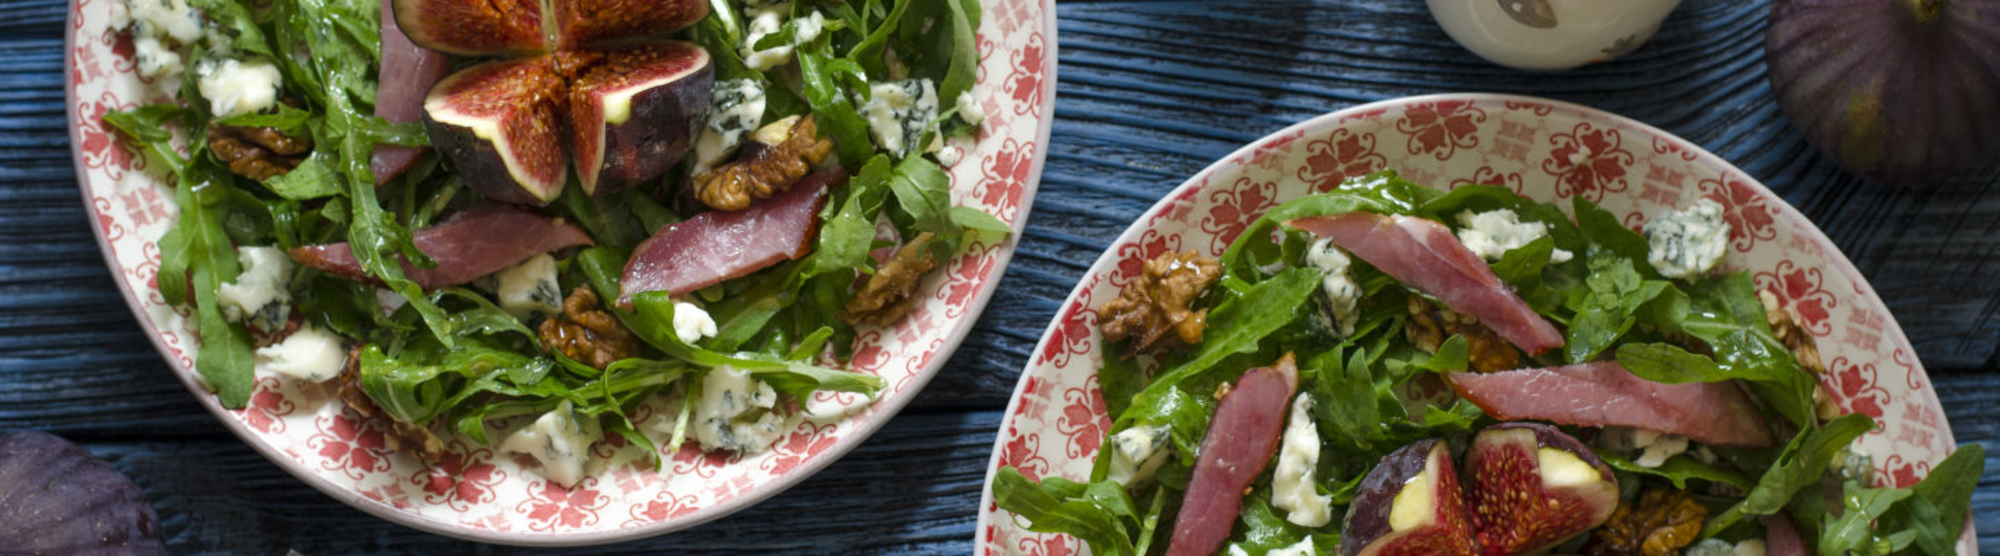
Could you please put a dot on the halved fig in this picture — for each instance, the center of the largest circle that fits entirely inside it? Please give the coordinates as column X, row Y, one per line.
column 635, row 110
column 598, row 22
column 500, row 124
column 1531, row 487
column 1410, row 504
column 474, row 27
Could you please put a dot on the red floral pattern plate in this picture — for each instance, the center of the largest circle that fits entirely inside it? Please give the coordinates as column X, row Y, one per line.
column 1543, row 149
column 479, row 494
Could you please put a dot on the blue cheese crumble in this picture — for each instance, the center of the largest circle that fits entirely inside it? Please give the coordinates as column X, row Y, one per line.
column 691, row 323
column 1294, row 488
column 1340, row 295
column 1302, row 548
column 160, row 30
column 530, row 288
column 560, row 440
column 1137, row 452
column 769, row 19
column 235, row 86
column 261, row 294
column 309, row 353
column 1687, row 243
column 735, row 412
column 736, row 109
column 1493, row 233
column 899, row 113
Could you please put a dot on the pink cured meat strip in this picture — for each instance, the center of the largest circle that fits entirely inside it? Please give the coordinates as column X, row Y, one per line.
column 1604, row 394
column 407, row 73
column 1425, row 255
column 719, row 245
column 471, row 244
column 1236, row 449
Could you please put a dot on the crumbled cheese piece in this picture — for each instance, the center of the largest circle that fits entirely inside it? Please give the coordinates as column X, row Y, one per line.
column 1294, row 488
column 691, row 323
column 1342, row 294
column 530, row 288
column 560, row 440
column 260, row 295
column 968, row 109
column 735, row 412
column 899, row 113
column 238, row 86
column 1719, row 547
column 1137, row 452
column 736, row 109
column 1654, row 447
column 309, row 354
column 768, row 19
column 1493, row 233
column 1687, row 243
column 1302, row 548
column 159, row 29
column 1237, row 550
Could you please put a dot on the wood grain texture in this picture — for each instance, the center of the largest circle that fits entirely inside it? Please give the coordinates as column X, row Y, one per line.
column 1149, row 93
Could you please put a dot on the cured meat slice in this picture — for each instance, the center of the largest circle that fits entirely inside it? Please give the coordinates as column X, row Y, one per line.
column 1603, row 394
column 473, row 243
column 719, row 245
column 1238, row 445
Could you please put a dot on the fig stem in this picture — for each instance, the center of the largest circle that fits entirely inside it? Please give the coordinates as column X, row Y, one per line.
column 1925, row 10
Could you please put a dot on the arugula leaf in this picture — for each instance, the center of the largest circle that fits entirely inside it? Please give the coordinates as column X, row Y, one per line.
column 1604, row 233
column 224, row 360
column 1669, row 364
column 1679, row 469
column 923, row 191
column 1616, row 294
column 964, row 52
column 1936, row 510
column 1380, row 192
column 312, row 179
column 1800, row 465
column 1058, row 506
column 848, row 235
column 1724, row 313
column 833, row 112
column 975, row 219
column 1852, row 532
column 1238, row 326
column 1260, row 527
column 1344, row 398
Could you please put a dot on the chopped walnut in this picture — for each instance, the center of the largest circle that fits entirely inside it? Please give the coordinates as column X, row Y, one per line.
column 1660, row 524
column 402, row 435
column 891, row 292
column 1158, row 302
column 257, row 152
column 777, row 155
column 1785, row 325
column 1430, row 325
column 586, row 333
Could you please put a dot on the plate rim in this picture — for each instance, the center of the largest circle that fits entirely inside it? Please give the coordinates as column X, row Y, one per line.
column 1838, row 257
column 864, row 429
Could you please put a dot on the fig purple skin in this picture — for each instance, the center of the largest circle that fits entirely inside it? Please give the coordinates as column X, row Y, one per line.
column 1514, row 508
column 665, row 89
column 55, row 498
column 473, row 28
column 1899, row 91
column 1368, row 528
column 499, row 126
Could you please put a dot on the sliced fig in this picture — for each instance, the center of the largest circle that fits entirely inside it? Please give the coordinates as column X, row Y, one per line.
column 474, row 27
column 1410, row 504
column 597, row 22
column 635, row 110
column 1530, row 487
column 500, row 125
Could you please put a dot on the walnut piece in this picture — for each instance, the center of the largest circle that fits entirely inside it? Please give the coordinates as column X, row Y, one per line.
column 1430, row 325
column 891, row 292
column 1660, row 524
column 257, row 152
column 1157, row 302
column 777, row 155
column 402, row 435
column 1785, row 325
column 586, row 333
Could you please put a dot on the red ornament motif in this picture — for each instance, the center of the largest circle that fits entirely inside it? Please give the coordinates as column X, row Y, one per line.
column 268, row 408
column 1908, row 362
column 1663, row 145
column 391, row 494
column 462, row 477
column 869, row 355
column 349, row 445
column 691, row 459
column 99, row 147
column 1048, row 545
column 1488, row 175
column 664, row 505
column 1234, row 209
column 1750, row 218
column 964, row 276
column 794, row 449
column 1004, row 178
column 916, row 364
column 1896, row 472
column 1025, row 80
column 1340, row 156
column 1801, row 290
column 1034, row 397
column 1264, row 156
column 1132, row 257
column 1540, row 109
column 1441, row 127
column 1073, row 332
column 1084, row 419
column 1588, row 162
column 1023, row 453
column 550, row 505
column 1375, row 114
column 1853, row 385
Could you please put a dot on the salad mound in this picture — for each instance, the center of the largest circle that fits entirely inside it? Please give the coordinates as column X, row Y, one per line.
column 1390, row 369
column 694, row 202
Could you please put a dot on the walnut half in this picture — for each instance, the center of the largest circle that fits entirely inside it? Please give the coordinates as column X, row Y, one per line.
column 586, row 333
column 257, row 152
column 1662, row 522
column 1157, row 302
column 891, row 292
column 1430, row 324
column 777, row 155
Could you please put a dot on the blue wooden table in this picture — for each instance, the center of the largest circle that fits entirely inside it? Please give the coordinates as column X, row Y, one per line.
column 1149, row 93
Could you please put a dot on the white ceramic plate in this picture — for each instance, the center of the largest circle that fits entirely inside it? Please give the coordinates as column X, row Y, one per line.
column 481, row 495
column 1543, row 149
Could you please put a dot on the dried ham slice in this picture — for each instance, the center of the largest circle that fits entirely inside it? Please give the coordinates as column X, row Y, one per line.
column 1238, row 445
column 1603, row 394
column 470, row 244
column 407, row 73
column 719, row 245
column 1425, row 255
